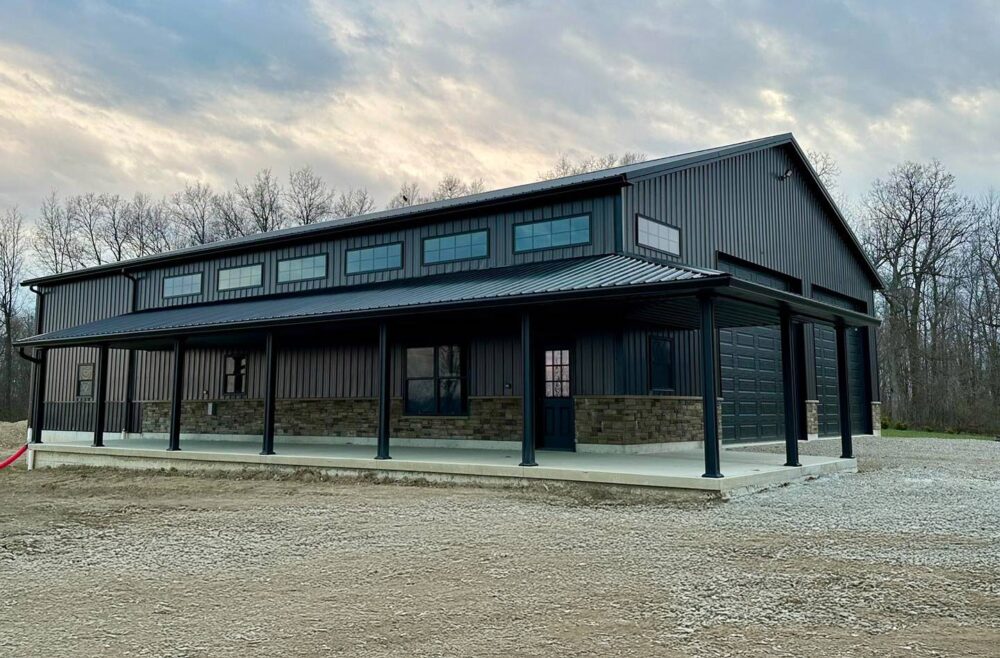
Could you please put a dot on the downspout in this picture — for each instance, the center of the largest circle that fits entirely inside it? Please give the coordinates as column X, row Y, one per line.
column 35, row 361
column 130, row 363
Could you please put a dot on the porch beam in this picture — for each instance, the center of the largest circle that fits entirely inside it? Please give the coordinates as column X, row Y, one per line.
column 384, row 391
column 788, row 365
column 100, row 395
column 709, row 396
column 39, row 398
column 270, row 385
column 844, row 393
column 528, row 394
column 177, row 394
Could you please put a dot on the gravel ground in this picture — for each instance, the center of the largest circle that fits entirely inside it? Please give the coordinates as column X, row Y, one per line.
column 900, row 559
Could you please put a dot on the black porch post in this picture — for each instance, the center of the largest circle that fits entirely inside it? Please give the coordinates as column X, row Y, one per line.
column 270, row 384
column 100, row 395
column 528, row 392
column 708, row 397
column 174, row 442
column 39, row 404
column 844, row 393
column 788, row 385
column 384, row 391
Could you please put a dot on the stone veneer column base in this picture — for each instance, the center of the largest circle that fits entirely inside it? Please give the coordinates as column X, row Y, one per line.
column 639, row 423
column 812, row 419
column 876, row 418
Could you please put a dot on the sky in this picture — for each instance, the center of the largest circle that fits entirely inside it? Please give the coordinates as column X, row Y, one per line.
column 122, row 97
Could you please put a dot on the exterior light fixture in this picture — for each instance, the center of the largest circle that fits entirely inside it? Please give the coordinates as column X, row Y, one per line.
column 786, row 175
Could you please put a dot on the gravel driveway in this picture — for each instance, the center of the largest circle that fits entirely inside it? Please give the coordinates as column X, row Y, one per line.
column 900, row 559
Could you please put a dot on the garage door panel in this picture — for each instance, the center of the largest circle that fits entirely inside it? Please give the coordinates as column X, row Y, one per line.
column 827, row 386
column 753, row 407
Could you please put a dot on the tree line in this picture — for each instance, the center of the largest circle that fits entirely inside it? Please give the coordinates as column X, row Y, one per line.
column 936, row 248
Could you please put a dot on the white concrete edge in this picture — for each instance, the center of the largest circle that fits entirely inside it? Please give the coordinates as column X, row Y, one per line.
column 724, row 486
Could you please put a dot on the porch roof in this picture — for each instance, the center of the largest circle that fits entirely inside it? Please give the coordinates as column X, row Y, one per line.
column 608, row 276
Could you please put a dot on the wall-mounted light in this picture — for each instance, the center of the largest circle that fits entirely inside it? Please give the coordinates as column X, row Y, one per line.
column 785, row 176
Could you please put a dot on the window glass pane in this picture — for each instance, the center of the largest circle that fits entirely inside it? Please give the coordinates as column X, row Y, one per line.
column 449, row 360
column 85, row 389
column 420, row 396
column 562, row 232
column 372, row 259
column 240, row 277
column 450, row 396
column 661, row 367
column 300, row 269
column 420, row 362
column 456, row 247
column 658, row 236
column 185, row 284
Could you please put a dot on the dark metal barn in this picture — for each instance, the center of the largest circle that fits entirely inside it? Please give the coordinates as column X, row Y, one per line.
column 632, row 309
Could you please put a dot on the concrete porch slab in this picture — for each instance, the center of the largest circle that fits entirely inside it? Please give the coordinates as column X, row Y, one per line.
column 679, row 470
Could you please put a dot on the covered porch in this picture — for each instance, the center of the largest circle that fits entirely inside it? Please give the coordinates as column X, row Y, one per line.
column 530, row 298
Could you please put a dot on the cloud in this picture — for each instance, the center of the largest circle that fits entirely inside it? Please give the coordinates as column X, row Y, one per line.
column 125, row 96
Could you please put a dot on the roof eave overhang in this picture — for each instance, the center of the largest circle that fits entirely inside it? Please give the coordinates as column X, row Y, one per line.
column 721, row 284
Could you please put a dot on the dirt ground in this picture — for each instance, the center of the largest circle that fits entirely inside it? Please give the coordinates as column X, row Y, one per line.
column 900, row 559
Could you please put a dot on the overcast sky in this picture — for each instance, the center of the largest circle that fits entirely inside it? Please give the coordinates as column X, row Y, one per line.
column 127, row 96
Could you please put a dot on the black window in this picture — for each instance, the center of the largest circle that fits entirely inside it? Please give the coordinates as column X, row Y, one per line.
column 435, row 381
column 181, row 285
column 661, row 364
column 557, row 374
column 85, row 380
column 236, row 375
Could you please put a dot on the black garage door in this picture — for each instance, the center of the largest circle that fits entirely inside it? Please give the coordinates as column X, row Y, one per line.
column 826, row 381
column 752, row 398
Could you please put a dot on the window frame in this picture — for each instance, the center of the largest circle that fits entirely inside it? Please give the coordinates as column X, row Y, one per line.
column 423, row 247
column 236, row 357
column 326, row 268
column 462, row 377
column 402, row 258
column 680, row 246
column 218, row 277
column 590, row 233
column 673, row 365
column 92, row 380
column 201, row 285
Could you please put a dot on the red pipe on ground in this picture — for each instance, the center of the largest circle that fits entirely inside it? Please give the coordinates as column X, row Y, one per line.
column 13, row 458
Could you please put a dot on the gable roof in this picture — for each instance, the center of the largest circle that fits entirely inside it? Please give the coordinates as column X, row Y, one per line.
column 614, row 176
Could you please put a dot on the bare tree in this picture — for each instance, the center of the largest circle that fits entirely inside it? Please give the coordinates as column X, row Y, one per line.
column 826, row 168
column 55, row 243
column 114, row 229
column 408, row 195
column 308, row 198
column 566, row 166
column 12, row 246
column 452, row 187
column 194, row 215
column 86, row 214
column 230, row 219
column 353, row 202
column 151, row 229
column 917, row 225
column 260, row 202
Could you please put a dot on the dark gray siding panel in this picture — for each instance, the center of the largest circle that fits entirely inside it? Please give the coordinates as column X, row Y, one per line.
column 500, row 226
column 687, row 360
column 78, row 302
column 739, row 207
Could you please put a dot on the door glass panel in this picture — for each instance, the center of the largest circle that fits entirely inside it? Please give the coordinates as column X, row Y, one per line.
column 557, row 368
